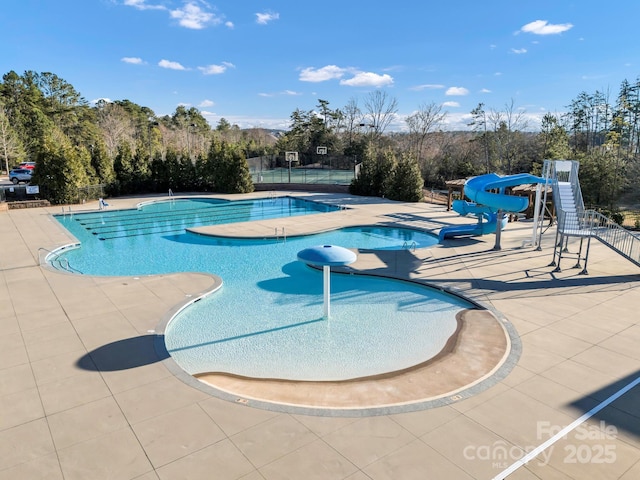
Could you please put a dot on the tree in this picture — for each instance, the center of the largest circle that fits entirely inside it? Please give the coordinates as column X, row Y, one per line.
column 375, row 175
column 406, row 182
column 554, row 139
column 479, row 125
column 223, row 125
column 21, row 101
column 115, row 124
column 124, row 167
column 421, row 123
column 226, row 169
column 352, row 117
column 380, row 110
column 507, row 129
column 10, row 146
column 60, row 170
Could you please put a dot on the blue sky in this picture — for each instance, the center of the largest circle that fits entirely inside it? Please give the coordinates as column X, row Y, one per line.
column 255, row 62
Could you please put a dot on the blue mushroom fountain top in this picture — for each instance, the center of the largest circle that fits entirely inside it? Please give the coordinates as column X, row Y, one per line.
column 327, row 255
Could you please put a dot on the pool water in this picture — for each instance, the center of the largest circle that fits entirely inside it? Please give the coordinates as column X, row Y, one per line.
column 266, row 320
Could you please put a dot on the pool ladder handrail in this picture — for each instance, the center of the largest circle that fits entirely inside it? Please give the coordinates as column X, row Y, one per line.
column 410, row 246
column 284, row 235
column 63, row 263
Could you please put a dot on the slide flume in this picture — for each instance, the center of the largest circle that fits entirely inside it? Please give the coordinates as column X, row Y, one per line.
column 486, row 202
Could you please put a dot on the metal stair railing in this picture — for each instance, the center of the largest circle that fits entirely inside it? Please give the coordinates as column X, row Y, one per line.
column 612, row 235
column 575, row 221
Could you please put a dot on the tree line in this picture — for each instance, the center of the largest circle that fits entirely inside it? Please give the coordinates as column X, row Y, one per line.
column 129, row 149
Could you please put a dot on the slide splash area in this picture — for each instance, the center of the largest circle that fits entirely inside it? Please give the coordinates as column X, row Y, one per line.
column 485, row 203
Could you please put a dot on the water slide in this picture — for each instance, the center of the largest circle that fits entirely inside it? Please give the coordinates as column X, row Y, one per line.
column 485, row 203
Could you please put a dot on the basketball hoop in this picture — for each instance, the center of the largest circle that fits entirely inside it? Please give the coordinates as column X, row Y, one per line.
column 291, row 157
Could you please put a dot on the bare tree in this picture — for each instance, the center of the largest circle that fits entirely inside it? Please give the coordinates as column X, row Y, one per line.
column 421, row 123
column 352, row 117
column 10, row 146
column 507, row 128
column 116, row 126
column 380, row 110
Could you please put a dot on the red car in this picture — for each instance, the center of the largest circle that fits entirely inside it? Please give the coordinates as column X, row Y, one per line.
column 27, row 165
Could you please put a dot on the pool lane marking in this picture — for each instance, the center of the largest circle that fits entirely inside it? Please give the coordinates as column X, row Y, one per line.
column 562, row 433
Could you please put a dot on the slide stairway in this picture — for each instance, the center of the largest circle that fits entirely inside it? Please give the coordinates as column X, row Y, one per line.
column 576, row 221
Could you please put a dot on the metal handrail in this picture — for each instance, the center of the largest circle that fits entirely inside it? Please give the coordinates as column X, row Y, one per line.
column 590, row 223
column 410, row 246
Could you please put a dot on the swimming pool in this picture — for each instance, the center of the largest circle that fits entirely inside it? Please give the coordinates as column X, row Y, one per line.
column 266, row 320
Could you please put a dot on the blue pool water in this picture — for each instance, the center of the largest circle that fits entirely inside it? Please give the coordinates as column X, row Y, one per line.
column 266, row 320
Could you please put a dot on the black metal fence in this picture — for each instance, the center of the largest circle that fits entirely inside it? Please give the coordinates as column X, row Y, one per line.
column 21, row 193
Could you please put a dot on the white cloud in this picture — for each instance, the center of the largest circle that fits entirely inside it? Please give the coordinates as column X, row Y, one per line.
column 543, row 27
column 216, row 69
column 132, row 60
column 457, row 91
column 323, row 74
column 485, row 90
column 206, row 103
column 519, row 51
column 368, row 79
column 426, row 86
column 451, row 104
column 142, row 5
column 266, row 17
column 170, row 65
column 290, row 93
column 191, row 15
column 229, row 24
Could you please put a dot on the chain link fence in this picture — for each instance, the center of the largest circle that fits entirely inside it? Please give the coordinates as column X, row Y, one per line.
column 333, row 170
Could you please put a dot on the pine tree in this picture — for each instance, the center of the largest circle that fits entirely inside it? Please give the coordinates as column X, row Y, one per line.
column 406, row 182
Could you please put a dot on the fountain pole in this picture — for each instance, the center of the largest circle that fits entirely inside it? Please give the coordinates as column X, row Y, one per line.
column 326, row 256
column 327, row 290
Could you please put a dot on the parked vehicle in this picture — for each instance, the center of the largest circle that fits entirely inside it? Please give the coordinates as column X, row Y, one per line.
column 18, row 175
column 27, row 165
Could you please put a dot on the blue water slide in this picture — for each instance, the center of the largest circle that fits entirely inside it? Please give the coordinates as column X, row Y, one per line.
column 477, row 189
column 475, row 229
column 487, row 195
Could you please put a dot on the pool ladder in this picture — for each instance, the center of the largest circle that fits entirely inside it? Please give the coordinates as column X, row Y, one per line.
column 410, row 246
column 280, row 233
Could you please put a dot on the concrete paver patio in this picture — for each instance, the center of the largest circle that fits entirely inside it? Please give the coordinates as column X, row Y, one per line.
column 84, row 395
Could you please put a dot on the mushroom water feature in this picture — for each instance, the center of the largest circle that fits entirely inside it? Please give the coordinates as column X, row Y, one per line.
column 327, row 256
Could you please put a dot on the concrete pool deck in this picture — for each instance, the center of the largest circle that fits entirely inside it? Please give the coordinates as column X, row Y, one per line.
column 83, row 393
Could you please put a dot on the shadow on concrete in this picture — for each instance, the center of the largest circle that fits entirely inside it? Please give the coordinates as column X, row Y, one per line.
column 122, row 355
column 540, row 278
column 623, row 412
